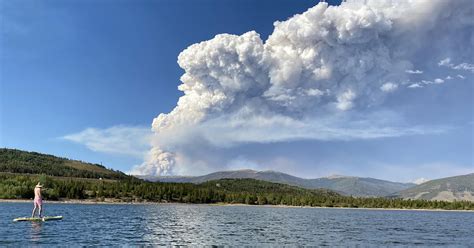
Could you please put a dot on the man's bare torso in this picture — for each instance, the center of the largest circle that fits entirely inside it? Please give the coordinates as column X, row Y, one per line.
column 38, row 192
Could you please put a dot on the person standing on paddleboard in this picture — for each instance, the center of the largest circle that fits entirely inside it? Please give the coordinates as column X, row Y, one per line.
column 38, row 201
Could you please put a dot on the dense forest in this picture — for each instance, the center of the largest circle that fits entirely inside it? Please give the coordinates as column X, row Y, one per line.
column 71, row 179
column 245, row 191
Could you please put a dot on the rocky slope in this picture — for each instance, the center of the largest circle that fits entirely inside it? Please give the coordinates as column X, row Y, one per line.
column 445, row 189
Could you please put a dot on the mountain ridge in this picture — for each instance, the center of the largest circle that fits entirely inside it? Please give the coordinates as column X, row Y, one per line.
column 444, row 189
column 347, row 185
column 448, row 189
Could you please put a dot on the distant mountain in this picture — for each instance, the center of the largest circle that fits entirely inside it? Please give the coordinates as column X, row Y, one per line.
column 446, row 189
column 356, row 186
column 360, row 186
column 23, row 162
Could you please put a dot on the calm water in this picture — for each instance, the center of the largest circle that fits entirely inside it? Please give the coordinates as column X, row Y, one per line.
column 233, row 225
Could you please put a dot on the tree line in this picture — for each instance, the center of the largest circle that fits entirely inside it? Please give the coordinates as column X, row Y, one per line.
column 236, row 191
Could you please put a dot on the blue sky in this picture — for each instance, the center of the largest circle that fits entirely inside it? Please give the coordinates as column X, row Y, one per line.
column 66, row 66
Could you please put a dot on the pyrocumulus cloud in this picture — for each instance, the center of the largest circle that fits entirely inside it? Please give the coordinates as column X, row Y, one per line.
column 315, row 77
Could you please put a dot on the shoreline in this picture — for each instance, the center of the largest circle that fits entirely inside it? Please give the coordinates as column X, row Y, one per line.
column 111, row 202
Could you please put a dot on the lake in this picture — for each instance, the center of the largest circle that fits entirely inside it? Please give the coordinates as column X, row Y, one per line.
column 180, row 224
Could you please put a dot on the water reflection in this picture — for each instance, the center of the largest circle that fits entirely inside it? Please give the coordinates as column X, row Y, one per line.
column 217, row 225
column 195, row 225
column 36, row 231
column 181, row 224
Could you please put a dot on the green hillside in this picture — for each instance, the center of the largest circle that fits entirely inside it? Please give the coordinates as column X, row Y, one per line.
column 242, row 191
column 248, row 191
column 17, row 161
column 68, row 179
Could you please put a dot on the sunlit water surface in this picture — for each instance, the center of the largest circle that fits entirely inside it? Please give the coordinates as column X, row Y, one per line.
column 233, row 225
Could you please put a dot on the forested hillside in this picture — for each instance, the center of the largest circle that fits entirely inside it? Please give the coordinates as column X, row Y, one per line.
column 69, row 179
column 17, row 161
column 244, row 191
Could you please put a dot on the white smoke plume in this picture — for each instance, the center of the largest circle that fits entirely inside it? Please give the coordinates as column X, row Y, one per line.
column 311, row 79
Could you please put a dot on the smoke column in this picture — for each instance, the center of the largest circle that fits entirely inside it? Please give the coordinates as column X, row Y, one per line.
column 317, row 70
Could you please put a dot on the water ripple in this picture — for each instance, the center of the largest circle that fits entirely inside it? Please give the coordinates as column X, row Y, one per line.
column 184, row 225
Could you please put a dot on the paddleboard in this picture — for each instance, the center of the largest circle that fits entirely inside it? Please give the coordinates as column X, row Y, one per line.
column 46, row 218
